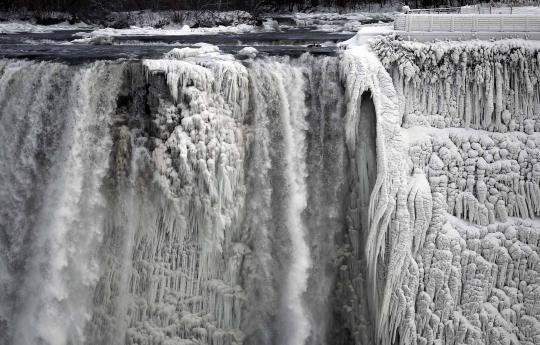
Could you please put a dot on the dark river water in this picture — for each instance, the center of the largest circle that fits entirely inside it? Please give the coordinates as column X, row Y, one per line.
column 57, row 46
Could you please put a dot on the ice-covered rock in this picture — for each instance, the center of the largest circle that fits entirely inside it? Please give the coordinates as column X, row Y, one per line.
column 469, row 115
column 247, row 53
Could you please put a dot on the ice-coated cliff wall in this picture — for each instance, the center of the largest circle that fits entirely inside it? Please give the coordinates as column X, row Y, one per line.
column 387, row 195
column 469, row 113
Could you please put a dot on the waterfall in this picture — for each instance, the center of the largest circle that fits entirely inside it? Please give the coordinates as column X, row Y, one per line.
column 206, row 199
column 297, row 139
column 293, row 322
column 54, row 123
column 195, row 199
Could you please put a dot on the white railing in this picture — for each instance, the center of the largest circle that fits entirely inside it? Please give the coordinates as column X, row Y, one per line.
column 467, row 23
column 477, row 9
column 439, row 10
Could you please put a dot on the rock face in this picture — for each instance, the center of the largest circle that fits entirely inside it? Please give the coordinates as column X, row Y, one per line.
column 469, row 117
column 387, row 195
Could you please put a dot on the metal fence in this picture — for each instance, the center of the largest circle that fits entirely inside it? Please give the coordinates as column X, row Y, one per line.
column 442, row 10
column 467, row 23
column 464, row 10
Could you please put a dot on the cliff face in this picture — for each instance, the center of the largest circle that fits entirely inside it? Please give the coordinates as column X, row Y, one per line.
column 382, row 196
column 470, row 113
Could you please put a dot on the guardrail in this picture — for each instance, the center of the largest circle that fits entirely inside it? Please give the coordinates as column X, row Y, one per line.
column 464, row 10
column 467, row 23
column 441, row 10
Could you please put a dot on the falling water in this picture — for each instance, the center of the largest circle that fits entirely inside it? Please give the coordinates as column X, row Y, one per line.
column 172, row 201
column 55, row 159
column 294, row 324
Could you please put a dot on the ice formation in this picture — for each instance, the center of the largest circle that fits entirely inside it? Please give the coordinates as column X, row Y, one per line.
column 474, row 278
column 386, row 195
column 247, row 53
column 229, row 257
column 472, row 84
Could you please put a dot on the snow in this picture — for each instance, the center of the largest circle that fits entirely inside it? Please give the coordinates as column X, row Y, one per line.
column 200, row 49
column 458, row 178
column 98, row 40
column 339, row 22
column 526, row 10
column 474, row 66
column 17, row 27
column 199, row 163
column 321, row 18
column 365, row 33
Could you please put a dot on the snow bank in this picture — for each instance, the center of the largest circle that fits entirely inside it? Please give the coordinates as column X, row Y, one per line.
column 365, row 33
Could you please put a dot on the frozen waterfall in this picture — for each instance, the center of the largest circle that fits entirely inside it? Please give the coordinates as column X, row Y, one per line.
column 199, row 199
column 194, row 199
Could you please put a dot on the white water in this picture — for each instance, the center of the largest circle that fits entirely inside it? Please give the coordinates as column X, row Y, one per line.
column 55, row 294
column 196, row 201
column 294, row 322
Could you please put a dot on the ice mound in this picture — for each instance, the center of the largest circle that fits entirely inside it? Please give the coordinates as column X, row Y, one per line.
column 198, row 50
column 247, row 53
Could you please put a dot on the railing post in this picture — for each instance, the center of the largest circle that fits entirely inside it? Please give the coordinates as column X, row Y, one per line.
column 407, row 19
